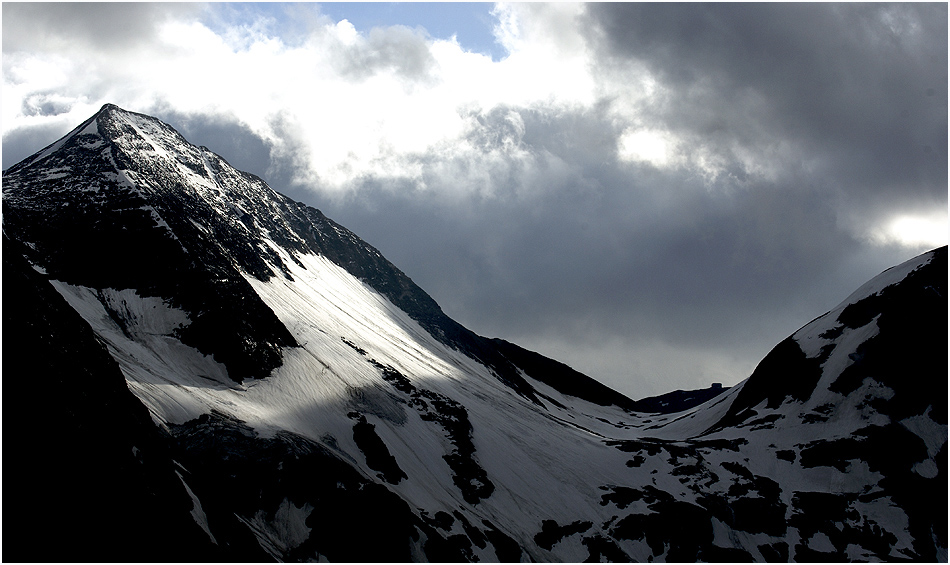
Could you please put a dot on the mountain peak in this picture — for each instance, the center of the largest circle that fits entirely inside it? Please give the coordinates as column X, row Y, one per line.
column 124, row 201
column 110, row 113
column 110, row 125
column 108, row 108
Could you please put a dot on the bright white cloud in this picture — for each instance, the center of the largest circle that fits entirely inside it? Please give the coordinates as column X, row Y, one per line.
column 650, row 146
column 914, row 231
column 341, row 105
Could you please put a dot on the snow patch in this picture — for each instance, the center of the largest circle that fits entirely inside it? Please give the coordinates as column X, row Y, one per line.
column 92, row 128
column 923, row 426
column 286, row 531
column 197, row 512
column 821, row 542
column 176, row 382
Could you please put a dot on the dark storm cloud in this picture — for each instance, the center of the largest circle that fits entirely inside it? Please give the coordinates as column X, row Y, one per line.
column 20, row 144
column 44, row 104
column 860, row 88
column 42, row 26
column 594, row 249
column 813, row 110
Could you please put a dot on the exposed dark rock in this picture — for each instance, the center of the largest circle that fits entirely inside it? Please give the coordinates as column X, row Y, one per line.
column 378, row 457
column 442, row 520
column 785, row 374
column 786, row 455
column 835, row 516
column 507, row 549
column 88, row 476
column 716, row 554
column 237, row 474
column 473, row 533
column 603, row 549
column 551, row 532
column 774, row 552
column 467, row 474
column 912, row 339
column 678, row 400
column 676, row 531
column 620, row 496
column 561, row 377
column 636, row 461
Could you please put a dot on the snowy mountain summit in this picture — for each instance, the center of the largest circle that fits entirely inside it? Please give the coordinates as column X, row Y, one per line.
column 199, row 368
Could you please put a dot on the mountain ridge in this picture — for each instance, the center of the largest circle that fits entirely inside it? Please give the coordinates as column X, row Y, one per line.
column 305, row 396
column 305, row 229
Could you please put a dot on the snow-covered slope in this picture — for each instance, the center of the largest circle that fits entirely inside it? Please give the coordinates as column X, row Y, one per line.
column 320, row 405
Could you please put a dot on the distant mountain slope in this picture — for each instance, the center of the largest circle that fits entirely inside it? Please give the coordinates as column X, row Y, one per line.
column 297, row 397
column 678, row 400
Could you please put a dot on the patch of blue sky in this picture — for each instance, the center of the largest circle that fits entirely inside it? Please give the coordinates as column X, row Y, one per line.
column 471, row 23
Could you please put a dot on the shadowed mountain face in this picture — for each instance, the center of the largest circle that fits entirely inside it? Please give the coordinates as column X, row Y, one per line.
column 230, row 369
column 678, row 400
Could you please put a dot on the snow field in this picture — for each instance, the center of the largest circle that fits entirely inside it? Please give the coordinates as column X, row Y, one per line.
column 529, row 454
column 546, row 463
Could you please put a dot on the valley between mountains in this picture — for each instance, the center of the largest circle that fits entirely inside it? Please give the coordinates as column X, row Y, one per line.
column 199, row 368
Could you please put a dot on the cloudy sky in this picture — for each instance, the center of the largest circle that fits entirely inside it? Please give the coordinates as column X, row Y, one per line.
column 655, row 194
